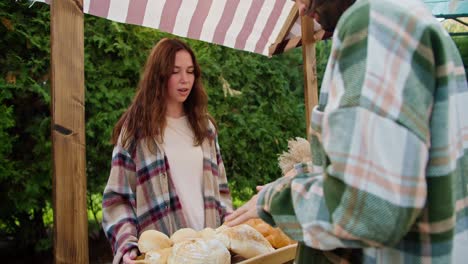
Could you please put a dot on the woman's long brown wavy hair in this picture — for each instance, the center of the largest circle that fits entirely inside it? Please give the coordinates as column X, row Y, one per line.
column 145, row 118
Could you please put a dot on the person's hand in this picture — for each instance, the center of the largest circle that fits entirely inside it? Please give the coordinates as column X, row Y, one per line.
column 130, row 256
column 290, row 173
column 244, row 213
column 303, row 6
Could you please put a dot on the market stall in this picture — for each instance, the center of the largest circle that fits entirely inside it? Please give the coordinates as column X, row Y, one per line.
column 263, row 26
column 267, row 27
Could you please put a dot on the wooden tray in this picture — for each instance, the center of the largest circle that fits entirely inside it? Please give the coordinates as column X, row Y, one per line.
column 280, row 256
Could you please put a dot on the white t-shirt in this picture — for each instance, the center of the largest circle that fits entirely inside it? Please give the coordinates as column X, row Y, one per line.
column 186, row 166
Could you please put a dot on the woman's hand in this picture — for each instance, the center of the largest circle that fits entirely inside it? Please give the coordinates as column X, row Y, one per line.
column 130, row 256
column 245, row 212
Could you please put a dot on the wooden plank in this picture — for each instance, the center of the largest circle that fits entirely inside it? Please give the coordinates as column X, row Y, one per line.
column 309, row 65
column 284, row 46
column 68, row 133
column 279, row 256
column 292, row 43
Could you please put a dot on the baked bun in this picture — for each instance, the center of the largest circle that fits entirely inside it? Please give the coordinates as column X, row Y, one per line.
column 199, row 251
column 207, row 233
column 221, row 228
column 245, row 241
column 275, row 236
column 159, row 256
column 153, row 240
column 184, row 234
column 279, row 239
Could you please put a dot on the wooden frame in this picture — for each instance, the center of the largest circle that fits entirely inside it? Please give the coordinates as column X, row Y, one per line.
column 280, row 256
column 310, row 69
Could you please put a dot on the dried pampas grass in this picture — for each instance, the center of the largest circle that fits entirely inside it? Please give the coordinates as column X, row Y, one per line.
column 298, row 152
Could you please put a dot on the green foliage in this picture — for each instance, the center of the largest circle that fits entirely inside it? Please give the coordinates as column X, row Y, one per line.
column 25, row 152
column 114, row 55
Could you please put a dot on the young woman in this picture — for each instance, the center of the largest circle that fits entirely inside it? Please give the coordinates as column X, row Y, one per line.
column 167, row 172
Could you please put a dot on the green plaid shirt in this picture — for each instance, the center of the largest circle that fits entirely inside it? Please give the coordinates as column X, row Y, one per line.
column 389, row 138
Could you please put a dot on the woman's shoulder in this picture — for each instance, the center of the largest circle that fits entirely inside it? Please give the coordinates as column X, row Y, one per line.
column 127, row 141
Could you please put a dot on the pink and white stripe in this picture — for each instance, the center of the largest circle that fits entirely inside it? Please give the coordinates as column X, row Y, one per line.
column 250, row 25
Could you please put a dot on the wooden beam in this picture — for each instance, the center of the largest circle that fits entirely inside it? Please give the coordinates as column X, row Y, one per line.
column 309, row 65
column 285, row 45
column 68, row 133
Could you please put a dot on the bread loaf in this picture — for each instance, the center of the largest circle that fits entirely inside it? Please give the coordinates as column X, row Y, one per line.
column 183, row 234
column 245, row 241
column 199, row 251
column 159, row 256
column 153, row 240
column 275, row 236
column 221, row 228
column 207, row 233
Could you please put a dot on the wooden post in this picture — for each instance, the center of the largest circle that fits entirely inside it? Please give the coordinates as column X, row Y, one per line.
column 68, row 133
column 310, row 69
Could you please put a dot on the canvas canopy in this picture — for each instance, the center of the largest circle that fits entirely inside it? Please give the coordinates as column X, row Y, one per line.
column 266, row 27
column 262, row 26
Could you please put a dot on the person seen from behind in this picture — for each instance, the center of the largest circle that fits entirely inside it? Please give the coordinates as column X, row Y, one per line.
column 390, row 139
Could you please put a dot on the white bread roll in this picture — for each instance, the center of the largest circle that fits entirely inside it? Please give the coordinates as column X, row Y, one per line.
column 199, row 251
column 221, row 228
column 274, row 235
column 245, row 241
column 153, row 240
column 184, row 234
column 207, row 233
column 159, row 256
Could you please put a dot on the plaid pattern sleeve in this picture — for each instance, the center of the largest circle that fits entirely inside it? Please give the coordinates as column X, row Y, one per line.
column 118, row 202
column 140, row 194
column 391, row 133
column 224, row 193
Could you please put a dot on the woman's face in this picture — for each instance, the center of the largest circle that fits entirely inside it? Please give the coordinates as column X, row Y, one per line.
column 181, row 81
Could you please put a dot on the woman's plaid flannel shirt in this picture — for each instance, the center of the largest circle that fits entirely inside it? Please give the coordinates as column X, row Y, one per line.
column 140, row 194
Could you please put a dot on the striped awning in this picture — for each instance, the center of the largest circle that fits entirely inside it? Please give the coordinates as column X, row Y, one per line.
column 261, row 26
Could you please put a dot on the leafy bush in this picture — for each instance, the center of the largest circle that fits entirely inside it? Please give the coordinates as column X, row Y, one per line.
column 25, row 152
